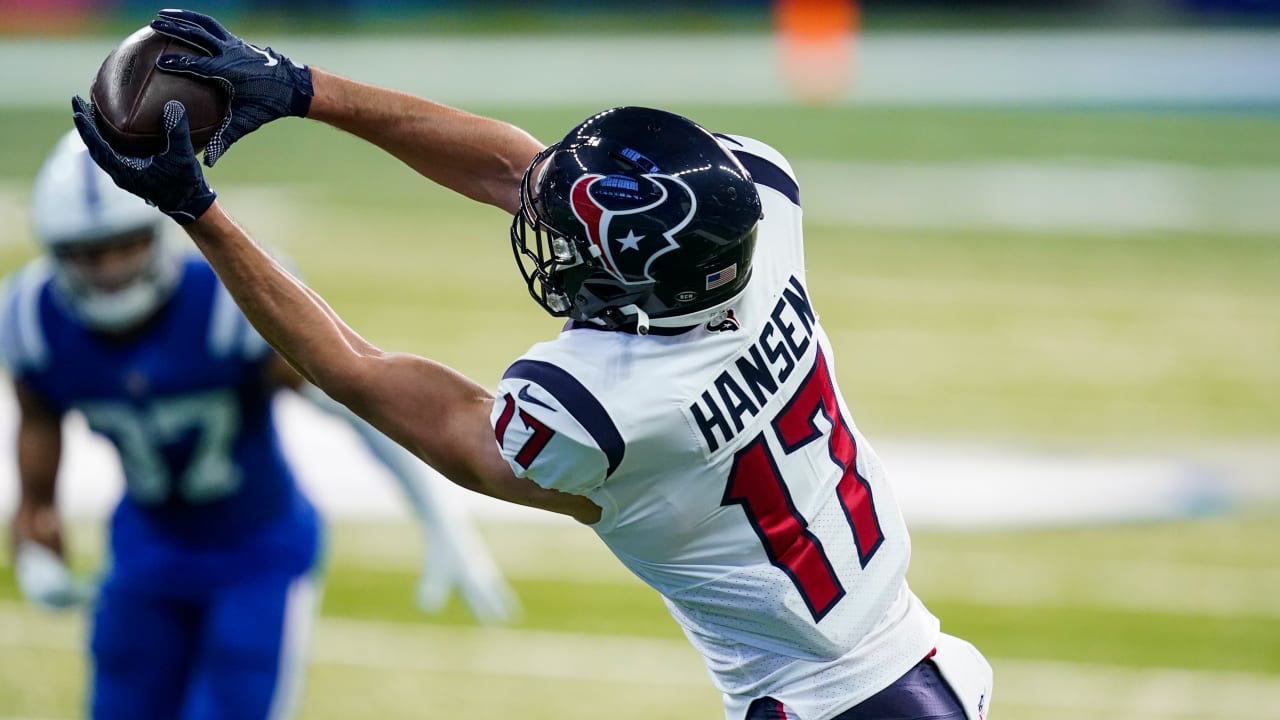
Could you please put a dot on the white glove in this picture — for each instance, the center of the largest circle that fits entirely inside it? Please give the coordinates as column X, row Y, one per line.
column 45, row 579
column 456, row 558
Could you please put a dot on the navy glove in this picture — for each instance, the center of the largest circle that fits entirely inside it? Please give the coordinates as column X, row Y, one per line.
column 263, row 84
column 171, row 180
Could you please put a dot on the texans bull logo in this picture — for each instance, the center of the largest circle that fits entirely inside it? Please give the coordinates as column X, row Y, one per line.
column 631, row 222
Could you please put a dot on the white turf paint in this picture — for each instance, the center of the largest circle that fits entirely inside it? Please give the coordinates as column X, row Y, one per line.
column 1151, row 693
column 1001, row 489
column 1084, row 196
column 1028, row 579
column 1019, row 69
column 938, row 485
column 1090, row 196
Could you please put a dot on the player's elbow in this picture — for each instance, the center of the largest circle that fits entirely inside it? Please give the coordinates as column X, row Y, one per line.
column 349, row 382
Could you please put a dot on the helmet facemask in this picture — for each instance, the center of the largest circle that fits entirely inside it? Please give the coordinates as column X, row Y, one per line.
column 115, row 283
column 113, row 268
column 543, row 263
column 637, row 217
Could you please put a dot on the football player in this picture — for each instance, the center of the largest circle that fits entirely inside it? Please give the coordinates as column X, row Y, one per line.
column 688, row 412
column 205, row 606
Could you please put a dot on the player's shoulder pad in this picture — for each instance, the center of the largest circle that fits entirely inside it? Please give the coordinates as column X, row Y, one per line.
column 23, row 345
column 767, row 166
column 230, row 333
column 553, row 430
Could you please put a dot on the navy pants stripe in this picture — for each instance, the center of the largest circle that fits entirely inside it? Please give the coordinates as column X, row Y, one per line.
column 920, row 694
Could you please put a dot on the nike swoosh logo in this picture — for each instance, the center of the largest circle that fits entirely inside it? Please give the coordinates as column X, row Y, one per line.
column 272, row 61
column 527, row 397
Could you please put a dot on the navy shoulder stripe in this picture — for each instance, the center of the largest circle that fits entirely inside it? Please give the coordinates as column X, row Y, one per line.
column 579, row 401
column 766, row 173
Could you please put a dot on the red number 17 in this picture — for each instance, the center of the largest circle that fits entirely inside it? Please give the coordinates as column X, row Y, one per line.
column 756, row 484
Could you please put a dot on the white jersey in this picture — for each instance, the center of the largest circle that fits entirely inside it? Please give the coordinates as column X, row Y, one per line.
column 733, row 480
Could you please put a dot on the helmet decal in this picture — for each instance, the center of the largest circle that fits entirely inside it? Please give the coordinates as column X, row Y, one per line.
column 638, row 217
column 629, row 224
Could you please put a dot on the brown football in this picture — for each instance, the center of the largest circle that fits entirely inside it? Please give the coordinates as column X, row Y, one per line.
column 130, row 92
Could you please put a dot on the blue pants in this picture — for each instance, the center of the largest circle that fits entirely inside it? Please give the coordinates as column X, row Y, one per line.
column 920, row 694
column 232, row 654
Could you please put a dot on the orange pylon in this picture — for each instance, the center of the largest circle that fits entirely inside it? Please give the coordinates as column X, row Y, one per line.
column 816, row 44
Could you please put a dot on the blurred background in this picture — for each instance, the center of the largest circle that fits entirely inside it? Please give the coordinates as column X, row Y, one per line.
column 1043, row 236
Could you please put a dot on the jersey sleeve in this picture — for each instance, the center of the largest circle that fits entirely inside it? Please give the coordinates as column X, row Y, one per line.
column 552, row 431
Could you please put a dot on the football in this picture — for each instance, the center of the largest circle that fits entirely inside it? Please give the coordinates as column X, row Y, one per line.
column 130, row 92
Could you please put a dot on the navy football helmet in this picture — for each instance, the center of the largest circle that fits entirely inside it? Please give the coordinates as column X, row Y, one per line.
column 637, row 217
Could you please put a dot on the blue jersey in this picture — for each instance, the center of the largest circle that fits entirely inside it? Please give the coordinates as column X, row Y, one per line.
column 185, row 401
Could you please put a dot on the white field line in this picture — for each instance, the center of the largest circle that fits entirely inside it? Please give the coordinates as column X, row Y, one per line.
column 1094, row 690
column 944, row 68
column 1009, row 578
column 1152, row 693
column 1087, row 196
column 1028, row 579
column 1093, row 196
column 329, row 456
column 269, row 211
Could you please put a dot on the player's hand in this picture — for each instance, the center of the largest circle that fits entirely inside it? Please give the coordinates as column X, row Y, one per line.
column 476, row 579
column 171, row 180
column 263, row 84
column 45, row 580
column 435, row 584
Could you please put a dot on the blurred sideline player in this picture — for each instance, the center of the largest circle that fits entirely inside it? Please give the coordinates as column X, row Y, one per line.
column 211, row 581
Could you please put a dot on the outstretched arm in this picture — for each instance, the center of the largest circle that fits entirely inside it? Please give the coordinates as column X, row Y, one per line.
column 42, row 573
column 479, row 157
column 39, row 452
column 432, row 410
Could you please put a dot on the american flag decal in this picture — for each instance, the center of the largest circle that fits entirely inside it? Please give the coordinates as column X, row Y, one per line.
column 716, row 279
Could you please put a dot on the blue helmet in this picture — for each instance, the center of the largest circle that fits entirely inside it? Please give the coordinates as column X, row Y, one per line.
column 637, row 217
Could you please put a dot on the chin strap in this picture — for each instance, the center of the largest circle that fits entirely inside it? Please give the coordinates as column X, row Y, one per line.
column 617, row 318
column 642, row 318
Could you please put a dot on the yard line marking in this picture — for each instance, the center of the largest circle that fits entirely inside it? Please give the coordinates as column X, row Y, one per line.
column 1147, row 693
column 1048, row 68
column 1090, row 196
column 1152, row 693
column 508, row 652
column 1023, row 579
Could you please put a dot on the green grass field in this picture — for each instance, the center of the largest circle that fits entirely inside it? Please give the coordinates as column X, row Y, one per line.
column 1157, row 621
column 1160, row 341
column 1155, row 338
